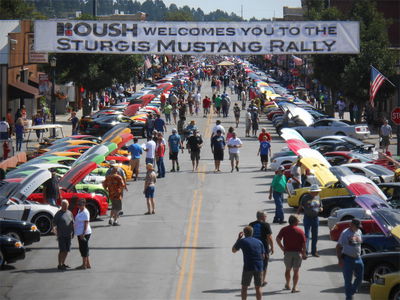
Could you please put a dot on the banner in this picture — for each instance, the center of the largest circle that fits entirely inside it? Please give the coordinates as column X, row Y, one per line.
column 214, row 38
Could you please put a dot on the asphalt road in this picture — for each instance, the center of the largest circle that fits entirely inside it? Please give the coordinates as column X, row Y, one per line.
column 184, row 250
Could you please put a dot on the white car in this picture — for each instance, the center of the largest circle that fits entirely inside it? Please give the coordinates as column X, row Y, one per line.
column 281, row 160
column 13, row 205
column 332, row 126
column 376, row 173
column 347, row 214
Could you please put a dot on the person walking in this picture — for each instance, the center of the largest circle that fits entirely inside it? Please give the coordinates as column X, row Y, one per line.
column 149, row 125
column 234, row 144
column 217, row 127
column 348, row 252
column 263, row 133
column 136, row 151
column 294, row 250
column 167, row 113
column 160, row 151
column 19, row 133
column 311, row 205
column 385, row 133
column 194, row 144
column 63, row 226
column 149, row 189
column 254, row 121
column 262, row 231
column 264, row 151
column 236, row 112
column 218, row 104
column 114, row 185
column 174, row 143
column 206, row 106
column 150, row 149
column 277, row 189
column 248, row 123
column 159, row 124
column 4, row 129
column 83, row 231
column 253, row 258
column 74, row 122
column 217, row 148
column 51, row 189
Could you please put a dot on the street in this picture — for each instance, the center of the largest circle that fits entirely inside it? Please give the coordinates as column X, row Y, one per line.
column 184, row 250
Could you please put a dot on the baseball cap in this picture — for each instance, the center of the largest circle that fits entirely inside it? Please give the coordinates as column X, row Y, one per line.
column 281, row 168
column 356, row 222
column 113, row 163
column 174, row 130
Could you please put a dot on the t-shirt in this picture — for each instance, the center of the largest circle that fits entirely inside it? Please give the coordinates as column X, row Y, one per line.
column 351, row 242
column 218, row 143
column 80, row 219
column 218, row 127
column 253, row 251
column 217, row 102
column 295, row 171
column 64, row 220
column 174, row 141
column 293, row 238
column 311, row 205
column 135, row 151
column 168, row 109
column 261, row 136
column 151, row 149
column 279, row 183
column 160, row 149
column 264, row 148
column 159, row 125
column 120, row 172
column 261, row 230
column 386, row 130
column 4, row 126
column 194, row 142
column 234, row 142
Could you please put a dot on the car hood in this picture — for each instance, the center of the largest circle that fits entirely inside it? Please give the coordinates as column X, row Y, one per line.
column 321, row 171
column 296, row 112
column 29, row 184
column 387, row 220
column 291, row 134
column 76, row 174
column 360, row 185
column 98, row 150
column 115, row 131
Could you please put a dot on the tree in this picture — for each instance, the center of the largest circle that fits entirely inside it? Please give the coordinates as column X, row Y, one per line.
column 17, row 9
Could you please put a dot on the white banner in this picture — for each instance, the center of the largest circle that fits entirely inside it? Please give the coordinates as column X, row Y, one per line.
column 215, row 38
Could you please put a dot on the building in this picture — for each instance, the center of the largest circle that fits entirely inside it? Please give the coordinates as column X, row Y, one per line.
column 18, row 74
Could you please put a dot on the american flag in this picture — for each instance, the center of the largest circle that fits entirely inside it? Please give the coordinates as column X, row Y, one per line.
column 377, row 80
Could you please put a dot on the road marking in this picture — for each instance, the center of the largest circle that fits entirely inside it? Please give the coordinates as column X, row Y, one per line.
column 186, row 250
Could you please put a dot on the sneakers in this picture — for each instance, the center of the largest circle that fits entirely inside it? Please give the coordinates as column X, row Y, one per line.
column 172, row 170
column 116, row 224
column 61, row 268
column 110, row 222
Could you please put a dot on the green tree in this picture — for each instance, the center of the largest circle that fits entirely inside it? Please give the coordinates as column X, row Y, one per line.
column 17, row 9
column 179, row 15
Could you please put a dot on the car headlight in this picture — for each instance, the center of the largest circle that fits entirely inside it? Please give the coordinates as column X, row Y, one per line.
column 34, row 228
column 18, row 245
column 380, row 280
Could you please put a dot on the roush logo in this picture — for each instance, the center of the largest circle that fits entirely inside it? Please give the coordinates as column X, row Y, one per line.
column 99, row 30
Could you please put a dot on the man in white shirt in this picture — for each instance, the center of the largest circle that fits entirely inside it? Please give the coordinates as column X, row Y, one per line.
column 234, row 144
column 150, row 151
column 4, row 129
column 217, row 127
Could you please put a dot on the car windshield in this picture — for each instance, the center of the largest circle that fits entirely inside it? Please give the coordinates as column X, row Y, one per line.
column 379, row 170
column 359, row 156
column 391, row 216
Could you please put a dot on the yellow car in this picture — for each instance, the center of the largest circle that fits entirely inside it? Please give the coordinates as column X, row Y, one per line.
column 386, row 287
column 330, row 186
column 67, row 153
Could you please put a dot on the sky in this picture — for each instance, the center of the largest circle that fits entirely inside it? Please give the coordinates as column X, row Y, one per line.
column 251, row 8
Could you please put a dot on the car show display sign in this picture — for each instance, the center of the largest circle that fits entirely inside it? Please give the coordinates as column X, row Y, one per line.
column 214, row 38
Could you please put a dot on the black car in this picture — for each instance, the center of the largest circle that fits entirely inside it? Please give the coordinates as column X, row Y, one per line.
column 11, row 250
column 392, row 191
column 380, row 263
column 330, row 146
column 331, row 204
column 101, row 125
column 26, row 232
column 378, row 243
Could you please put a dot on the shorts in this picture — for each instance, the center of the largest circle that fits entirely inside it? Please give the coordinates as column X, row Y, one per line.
column 234, row 156
column 385, row 141
column 173, row 156
column 149, row 161
column 292, row 259
column 248, row 275
column 264, row 158
column 116, row 205
column 195, row 155
column 84, row 245
column 64, row 243
column 135, row 164
column 149, row 193
column 219, row 155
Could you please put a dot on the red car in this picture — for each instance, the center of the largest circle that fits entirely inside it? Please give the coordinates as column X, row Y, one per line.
column 368, row 227
column 337, row 158
column 97, row 205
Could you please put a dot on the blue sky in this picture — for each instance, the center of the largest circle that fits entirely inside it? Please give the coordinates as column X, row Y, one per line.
column 257, row 8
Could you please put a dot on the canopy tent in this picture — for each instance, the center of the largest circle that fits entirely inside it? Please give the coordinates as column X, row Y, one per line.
column 226, row 63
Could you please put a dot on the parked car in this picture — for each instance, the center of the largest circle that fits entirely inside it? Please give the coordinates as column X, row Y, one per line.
column 392, row 191
column 378, row 243
column 349, row 142
column 347, row 214
column 11, row 250
column 380, row 263
column 337, row 158
column 386, row 287
column 367, row 227
column 23, row 231
column 332, row 126
column 332, row 204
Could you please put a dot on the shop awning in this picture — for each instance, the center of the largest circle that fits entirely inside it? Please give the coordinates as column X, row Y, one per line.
column 20, row 89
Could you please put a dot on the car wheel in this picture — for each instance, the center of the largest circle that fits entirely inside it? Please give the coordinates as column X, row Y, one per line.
column 395, row 293
column 381, row 269
column 2, row 259
column 367, row 250
column 43, row 222
column 334, row 209
column 93, row 210
column 14, row 235
column 340, row 133
column 347, row 218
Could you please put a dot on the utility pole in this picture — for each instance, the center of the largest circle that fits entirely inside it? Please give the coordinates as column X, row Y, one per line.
column 241, row 11
column 94, row 8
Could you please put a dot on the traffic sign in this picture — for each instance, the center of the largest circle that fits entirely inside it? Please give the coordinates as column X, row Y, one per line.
column 396, row 115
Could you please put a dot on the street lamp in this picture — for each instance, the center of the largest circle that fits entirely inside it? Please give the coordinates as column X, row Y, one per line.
column 53, row 63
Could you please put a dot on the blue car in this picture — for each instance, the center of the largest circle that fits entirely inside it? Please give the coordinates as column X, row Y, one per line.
column 378, row 243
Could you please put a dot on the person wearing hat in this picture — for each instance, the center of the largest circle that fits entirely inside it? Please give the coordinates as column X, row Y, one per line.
column 120, row 172
column 348, row 252
column 311, row 205
column 149, row 188
column 277, row 189
column 114, row 184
